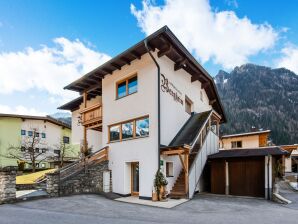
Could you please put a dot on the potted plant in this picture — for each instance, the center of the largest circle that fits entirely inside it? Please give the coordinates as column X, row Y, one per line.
column 160, row 184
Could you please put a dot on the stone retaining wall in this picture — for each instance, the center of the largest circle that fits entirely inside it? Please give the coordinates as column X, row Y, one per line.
column 8, row 184
column 86, row 181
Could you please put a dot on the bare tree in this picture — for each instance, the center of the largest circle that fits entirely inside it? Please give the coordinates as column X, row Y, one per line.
column 28, row 150
column 66, row 152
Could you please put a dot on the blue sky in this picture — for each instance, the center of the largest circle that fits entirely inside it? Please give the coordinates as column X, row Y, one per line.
column 53, row 42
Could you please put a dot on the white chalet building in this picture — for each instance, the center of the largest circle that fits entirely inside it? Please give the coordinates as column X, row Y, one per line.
column 152, row 105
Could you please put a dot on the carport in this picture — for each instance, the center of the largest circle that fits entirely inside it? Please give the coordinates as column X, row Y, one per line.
column 245, row 172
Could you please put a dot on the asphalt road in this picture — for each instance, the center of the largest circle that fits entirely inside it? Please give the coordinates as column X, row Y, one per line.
column 87, row 209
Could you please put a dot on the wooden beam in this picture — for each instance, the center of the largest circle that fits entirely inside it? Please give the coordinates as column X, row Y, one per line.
column 91, row 88
column 151, row 47
column 194, row 78
column 81, row 85
column 85, row 99
column 212, row 102
column 173, row 152
column 135, row 54
column 186, row 160
column 164, row 51
column 205, row 85
column 83, row 119
column 182, row 162
column 116, row 65
column 126, row 60
column 180, row 64
column 107, row 70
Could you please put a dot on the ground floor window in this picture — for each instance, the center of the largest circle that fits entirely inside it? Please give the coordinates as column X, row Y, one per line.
column 169, row 169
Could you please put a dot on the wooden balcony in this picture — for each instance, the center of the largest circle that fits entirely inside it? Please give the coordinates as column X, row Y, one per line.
column 92, row 117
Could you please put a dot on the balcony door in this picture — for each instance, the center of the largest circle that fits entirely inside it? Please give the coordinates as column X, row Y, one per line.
column 135, row 179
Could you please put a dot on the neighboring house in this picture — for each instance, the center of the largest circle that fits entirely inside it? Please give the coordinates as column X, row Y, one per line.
column 291, row 161
column 253, row 139
column 155, row 106
column 14, row 129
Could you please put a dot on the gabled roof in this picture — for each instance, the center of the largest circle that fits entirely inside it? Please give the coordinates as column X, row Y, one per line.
column 246, row 134
column 190, row 129
column 262, row 151
column 72, row 105
column 44, row 118
column 167, row 44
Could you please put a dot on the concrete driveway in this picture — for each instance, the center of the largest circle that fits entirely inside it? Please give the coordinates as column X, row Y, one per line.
column 97, row 209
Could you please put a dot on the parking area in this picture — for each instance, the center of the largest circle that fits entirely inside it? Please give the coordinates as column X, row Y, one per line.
column 204, row 208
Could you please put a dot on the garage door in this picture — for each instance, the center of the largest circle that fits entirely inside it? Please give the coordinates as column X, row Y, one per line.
column 218, row 177
column 246, row 177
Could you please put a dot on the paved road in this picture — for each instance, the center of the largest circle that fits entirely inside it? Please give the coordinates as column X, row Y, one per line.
column 89, row 209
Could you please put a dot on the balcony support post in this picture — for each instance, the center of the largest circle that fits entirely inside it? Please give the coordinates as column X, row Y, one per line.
column 83, row 117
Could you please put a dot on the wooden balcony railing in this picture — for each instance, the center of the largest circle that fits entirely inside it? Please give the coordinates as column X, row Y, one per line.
column 92, row 116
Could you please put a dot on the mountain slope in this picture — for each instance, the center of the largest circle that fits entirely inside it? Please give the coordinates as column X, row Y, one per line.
column 259, row 96
column 63, row 117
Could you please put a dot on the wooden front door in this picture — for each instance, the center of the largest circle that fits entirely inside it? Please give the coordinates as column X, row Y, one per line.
column 135, row 179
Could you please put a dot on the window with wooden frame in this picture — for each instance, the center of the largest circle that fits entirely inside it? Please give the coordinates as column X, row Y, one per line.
column 236, row 144
column 130, row 129
column 169, row 169
column 127, row 86
column 188, row 105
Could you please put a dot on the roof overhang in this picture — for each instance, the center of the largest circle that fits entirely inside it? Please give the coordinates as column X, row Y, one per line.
column 246, row 134
column 44, row 118
column 168, row 45
column 252, row 152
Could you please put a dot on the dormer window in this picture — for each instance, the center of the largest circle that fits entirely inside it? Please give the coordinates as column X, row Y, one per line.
column 127, row 86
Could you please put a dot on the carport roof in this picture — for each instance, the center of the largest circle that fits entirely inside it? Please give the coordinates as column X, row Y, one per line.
column 234, row 153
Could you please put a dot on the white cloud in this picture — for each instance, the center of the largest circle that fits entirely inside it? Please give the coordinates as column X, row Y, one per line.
column 20, row 110
column 289, row 59
column 220, row 36
column 48, row 68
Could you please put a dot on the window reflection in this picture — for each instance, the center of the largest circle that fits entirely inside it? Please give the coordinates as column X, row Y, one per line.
column 132, row 85
column 127, row 130
column 142, row 127
column 115, row 133
column 121, row 89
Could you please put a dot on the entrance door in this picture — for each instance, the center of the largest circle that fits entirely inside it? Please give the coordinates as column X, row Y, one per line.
column 135, row 179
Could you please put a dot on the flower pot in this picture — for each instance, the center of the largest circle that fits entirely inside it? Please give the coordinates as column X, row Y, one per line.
column 162, row 193
column 154, row 196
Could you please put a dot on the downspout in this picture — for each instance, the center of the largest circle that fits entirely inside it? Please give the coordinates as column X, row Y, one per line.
column 268, row 178
column 158, row 100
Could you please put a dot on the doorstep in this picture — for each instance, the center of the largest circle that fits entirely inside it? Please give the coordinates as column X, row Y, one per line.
column 170, row 203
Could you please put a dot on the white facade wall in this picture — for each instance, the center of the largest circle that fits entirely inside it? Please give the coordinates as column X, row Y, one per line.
column 142, row 150
column 173, row 114
column 53, row 132
column 54, row 136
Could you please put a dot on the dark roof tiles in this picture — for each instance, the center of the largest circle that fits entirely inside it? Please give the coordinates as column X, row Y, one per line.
column 234, row 153
column 190, row 129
